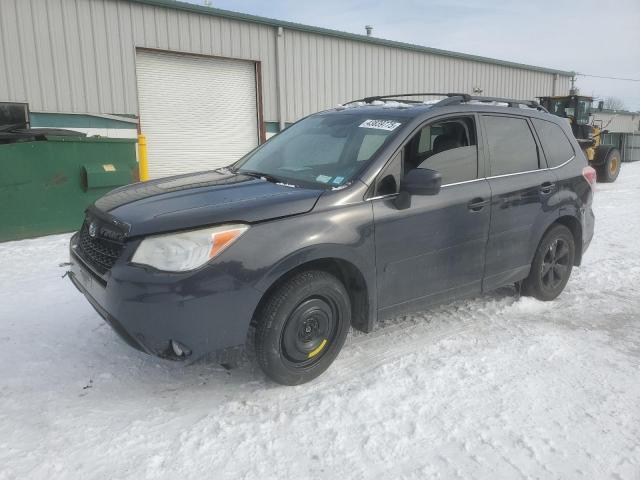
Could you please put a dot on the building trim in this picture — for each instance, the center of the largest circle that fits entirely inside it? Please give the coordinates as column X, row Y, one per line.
column 217, row 12
column 262, row 134
column 81, row 120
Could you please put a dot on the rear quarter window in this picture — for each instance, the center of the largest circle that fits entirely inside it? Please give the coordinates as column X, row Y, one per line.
column 512, row 148
column 557, row 147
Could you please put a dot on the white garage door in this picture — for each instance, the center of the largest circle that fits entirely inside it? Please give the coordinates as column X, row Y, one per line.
column 197, row 113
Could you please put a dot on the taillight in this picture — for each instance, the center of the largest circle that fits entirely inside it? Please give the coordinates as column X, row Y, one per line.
column 589, row 175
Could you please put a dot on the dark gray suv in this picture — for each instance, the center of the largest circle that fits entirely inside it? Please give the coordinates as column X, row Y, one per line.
column 368, row 210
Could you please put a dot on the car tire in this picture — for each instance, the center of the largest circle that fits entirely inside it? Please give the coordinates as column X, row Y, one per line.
column 301, row 326
column 552, row 264
column 610, row 169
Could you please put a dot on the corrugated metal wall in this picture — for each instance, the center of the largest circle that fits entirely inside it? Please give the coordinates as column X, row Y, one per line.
column 618, row 122
column 323, row 71
column 79, row 56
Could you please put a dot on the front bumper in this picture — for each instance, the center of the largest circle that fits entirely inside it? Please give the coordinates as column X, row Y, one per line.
column 208, row 310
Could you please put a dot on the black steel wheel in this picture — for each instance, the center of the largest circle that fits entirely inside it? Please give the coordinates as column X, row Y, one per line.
column 301, row 327
column 308, row 330
column 552, row 264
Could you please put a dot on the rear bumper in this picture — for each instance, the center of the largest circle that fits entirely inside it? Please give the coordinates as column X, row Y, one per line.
column 588, row 226
column 207, row 311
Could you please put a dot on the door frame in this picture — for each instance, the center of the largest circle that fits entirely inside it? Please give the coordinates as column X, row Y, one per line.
column 439, row 297
column 519, row 271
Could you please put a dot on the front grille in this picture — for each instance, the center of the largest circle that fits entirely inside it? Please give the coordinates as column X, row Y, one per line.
column 101, row 250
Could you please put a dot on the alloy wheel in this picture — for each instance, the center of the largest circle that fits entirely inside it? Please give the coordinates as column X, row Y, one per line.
column 555, row 265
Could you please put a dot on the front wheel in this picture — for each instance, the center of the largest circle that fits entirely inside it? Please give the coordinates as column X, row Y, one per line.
column 301, row 327
column 552, row 264
column 610, row 169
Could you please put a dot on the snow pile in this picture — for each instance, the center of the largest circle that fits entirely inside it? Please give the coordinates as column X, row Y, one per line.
column 493, row 387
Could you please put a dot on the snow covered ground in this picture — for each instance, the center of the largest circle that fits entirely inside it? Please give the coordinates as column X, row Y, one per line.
column 493, row 387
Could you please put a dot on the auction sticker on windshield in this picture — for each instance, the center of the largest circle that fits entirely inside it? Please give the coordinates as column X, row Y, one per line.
column 388, row 125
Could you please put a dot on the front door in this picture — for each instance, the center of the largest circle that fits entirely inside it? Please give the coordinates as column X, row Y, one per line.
column 434, row 249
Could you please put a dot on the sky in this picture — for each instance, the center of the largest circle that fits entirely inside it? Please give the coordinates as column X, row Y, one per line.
column 585, row 36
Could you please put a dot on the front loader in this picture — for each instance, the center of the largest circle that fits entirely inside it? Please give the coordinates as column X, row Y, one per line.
column 604, row 158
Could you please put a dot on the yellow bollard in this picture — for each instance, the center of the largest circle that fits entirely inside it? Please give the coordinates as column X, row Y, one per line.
column 143, row 164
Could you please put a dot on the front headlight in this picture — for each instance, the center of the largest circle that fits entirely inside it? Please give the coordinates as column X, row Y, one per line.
column 184, row 251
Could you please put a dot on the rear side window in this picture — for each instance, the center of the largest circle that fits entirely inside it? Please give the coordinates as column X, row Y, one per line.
column 557, row 147
column 512, row 148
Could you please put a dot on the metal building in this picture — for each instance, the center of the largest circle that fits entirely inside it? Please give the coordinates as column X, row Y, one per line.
column 207, row 85
column 623, row 131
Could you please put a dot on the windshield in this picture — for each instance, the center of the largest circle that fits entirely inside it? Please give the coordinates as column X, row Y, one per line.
column 557, row 107
column 324, row 150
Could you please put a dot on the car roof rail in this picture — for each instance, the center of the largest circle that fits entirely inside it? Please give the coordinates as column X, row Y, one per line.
column 396, row 95
column 511, row 102
column 451, row 99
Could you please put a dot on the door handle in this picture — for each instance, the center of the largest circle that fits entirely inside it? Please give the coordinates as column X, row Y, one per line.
column 547, row 187
column 477, row 204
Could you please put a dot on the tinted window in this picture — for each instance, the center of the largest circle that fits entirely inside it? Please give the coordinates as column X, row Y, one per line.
column 448, row 146
column 555, row 143
column 455, row 165
column 512, row 148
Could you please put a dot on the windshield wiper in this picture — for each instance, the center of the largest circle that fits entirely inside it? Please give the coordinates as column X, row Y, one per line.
column 268, row 177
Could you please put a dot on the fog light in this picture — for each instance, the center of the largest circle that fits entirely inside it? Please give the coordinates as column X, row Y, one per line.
column 179, row 349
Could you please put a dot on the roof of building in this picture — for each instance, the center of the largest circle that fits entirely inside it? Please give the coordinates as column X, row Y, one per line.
column 189, row 7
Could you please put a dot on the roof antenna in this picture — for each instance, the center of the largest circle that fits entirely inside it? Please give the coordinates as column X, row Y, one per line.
column 369, row 30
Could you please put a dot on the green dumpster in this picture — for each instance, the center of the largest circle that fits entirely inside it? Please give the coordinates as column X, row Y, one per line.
column 45, row 186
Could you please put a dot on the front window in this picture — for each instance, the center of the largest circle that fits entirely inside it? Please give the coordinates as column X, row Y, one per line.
column 584, row 107
column 447, row 146
column 323, row 150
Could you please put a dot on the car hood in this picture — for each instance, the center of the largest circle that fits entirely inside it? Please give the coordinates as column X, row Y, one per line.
column 204, row 198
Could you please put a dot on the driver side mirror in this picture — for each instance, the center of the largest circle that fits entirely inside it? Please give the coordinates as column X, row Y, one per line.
column 419, row 181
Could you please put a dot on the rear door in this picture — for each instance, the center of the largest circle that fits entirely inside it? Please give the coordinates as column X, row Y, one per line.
column 521, row 187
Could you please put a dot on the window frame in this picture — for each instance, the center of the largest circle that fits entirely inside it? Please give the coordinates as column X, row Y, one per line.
column 399, row 152
column 542, row 160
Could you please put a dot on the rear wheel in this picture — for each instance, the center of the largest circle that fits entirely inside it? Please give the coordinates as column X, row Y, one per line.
column 301, row 327
column 610, row 168
column 552, row 264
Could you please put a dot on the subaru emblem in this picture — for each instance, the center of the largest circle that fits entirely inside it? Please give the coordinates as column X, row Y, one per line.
column 93, row 229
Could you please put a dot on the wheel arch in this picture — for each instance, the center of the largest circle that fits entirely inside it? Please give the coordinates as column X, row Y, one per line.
column 361, row 293
column 575, row 227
